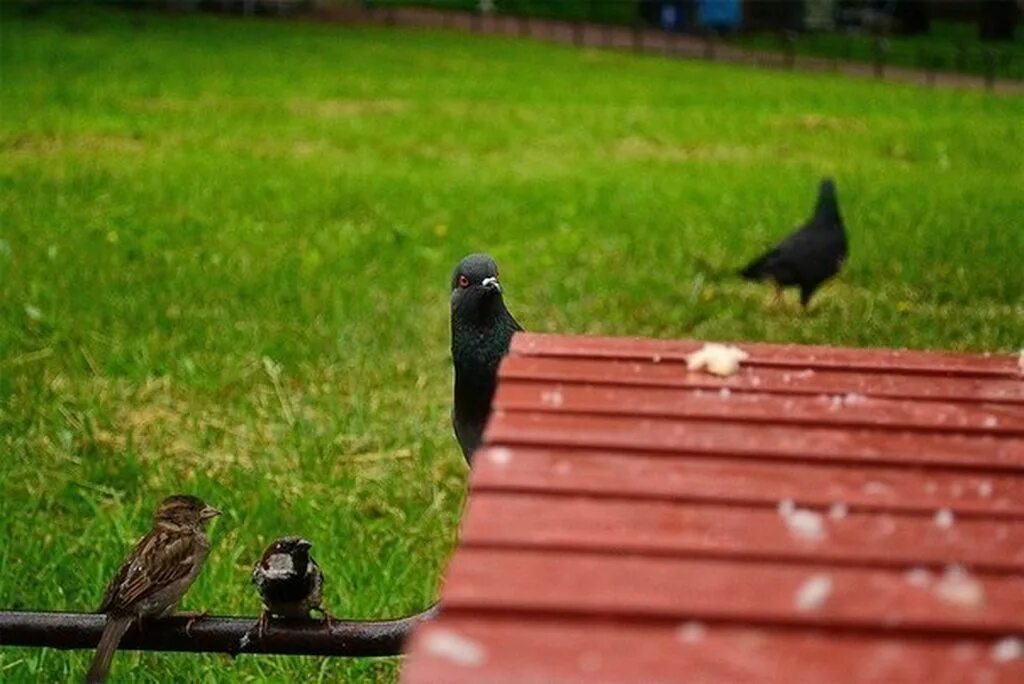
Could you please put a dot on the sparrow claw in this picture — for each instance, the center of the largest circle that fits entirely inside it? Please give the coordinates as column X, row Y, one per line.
column 192, row 617
column 261, row 624
column 258, row 630
column 326, row 618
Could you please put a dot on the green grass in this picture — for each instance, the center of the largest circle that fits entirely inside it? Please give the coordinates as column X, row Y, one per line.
column 225, row 249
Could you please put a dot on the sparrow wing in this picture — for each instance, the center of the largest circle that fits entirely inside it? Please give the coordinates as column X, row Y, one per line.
column 157, row 561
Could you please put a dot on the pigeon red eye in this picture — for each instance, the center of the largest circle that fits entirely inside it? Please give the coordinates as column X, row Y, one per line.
column 463, row 281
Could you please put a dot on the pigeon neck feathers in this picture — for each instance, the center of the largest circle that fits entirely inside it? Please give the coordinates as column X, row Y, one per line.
column 480, row 340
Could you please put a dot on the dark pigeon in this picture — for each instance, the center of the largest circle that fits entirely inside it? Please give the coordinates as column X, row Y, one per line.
column 482, row 330
column 811, row 255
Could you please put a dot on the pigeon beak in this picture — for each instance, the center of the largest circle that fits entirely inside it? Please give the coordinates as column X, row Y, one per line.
column 492, row 284
column 208, row 512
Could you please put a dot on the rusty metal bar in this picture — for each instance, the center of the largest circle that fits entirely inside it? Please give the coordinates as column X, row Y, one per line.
column 352, row 639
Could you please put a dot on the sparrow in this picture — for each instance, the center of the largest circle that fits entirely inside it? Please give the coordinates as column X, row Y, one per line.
column 811, row 255
column 289, row 581
column 482, row 330
column 155, row 575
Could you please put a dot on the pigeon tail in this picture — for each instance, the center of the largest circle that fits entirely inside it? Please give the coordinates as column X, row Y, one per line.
column 827, row 207
column 756, row 269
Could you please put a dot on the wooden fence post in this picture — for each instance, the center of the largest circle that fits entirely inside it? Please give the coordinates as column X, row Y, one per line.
column 789, row 49
column 879, row 57
column 990, row 68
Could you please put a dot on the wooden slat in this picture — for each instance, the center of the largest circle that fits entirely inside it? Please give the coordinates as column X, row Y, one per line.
column 769, row 355
column 762, row 441
column 747, row 482
column 759, row 407
column 516, row 651
column 766, row 380
column 584, row 584
column 630, row 526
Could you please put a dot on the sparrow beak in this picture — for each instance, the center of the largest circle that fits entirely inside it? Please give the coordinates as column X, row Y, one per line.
column 208, row 512
column 491, row 284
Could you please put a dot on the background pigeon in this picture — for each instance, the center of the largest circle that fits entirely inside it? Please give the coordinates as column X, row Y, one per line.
column 811, row 255
column 482, row 329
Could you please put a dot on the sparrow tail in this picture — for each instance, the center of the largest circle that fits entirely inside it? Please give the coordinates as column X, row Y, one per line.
column 113, row 630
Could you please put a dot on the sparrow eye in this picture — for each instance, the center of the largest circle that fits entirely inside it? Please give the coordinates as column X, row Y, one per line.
column 463, row 281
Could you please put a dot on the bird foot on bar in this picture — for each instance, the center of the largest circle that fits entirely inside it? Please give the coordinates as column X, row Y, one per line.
column 192, row 616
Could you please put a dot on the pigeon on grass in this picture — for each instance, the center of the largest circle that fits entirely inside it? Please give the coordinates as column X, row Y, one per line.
column 809, row 256
column 482, row 330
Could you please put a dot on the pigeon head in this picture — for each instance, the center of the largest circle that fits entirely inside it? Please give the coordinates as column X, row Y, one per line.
column 827, row 207
column 827, row 187
column 476, row 291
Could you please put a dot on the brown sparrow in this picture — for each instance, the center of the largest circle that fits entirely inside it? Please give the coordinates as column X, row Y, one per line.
column 289, row 581
column 155, row 575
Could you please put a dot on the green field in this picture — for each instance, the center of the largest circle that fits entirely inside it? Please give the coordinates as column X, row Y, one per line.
column 225, row 248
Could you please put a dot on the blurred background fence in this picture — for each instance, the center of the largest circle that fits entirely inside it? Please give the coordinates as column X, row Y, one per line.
column 982, row 38
column 977, row 37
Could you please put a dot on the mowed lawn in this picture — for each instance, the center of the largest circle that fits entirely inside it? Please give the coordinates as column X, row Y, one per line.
column 225, row 250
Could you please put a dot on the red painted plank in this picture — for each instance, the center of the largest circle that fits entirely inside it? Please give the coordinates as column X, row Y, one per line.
column 585, row 584
column 518, row 394
column 751, row 440
column 630, row 526
column 501, row 650
column 766, row 380
column 747, row 482
column 778, row 355
column 620, row 495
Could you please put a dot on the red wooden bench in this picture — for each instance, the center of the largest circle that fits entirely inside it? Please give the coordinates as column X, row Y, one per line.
column 823, row 515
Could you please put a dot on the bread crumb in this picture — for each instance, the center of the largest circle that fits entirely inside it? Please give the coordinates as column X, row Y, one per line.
column 552, row 398
column 691, row 632
column 455, row 648
column 918, row 577
column 877, row 488
column 718, row 359
column 500, row 456
column 837, row 511
column 944, row 518
column 800, row 522
column 813, row 593
column 1007, row 650
column 958, row 588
